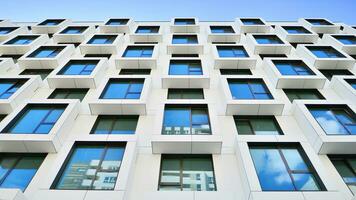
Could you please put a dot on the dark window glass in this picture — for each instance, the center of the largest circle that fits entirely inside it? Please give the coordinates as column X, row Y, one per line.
column 257, row 125
column 272, row 56
column 42, row 72
column 185, row 39
column 352, row 82
column 97, row 55
column 252, row 21
column 184, row 21
column 267, row 39
column 117, row 22
column 91, row 167
column 284, row 168
column 335, row 120
column 102, row 39
column 296, row 30
column 138, row 51
column 235, row 72
column 78, row 67
column 221, row 29
column 309, row 94
column 9, row 86
column 292, row 67
column 22, row 39
column 17, row 170
column 346, row 166
column 115, row 124
column 319, row 22
column 185, row 93
column 147, row 29
column 346, row 39
column 51, row 22
column 187, row 173
column 68, row 93
column 232, row 51
column 2, row 116
column 295, row 44
column 185, row 67
column 325, row 52
column 123, row 89
column 223, row 43
column 46, row 52
column 185, row 55
column 249, row 89
column 186, row 120
column 74, row 30
column 6, row 30
column 135, row 71
column 329, row 73
column 14, row 57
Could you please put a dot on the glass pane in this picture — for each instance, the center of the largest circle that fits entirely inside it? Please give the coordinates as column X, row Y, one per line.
column 294, row 160
column 116, row 91
column 29, row 120
column 305, row 182
column 200, row 122
column 124, row 126
column 243, row 127
column 103, row 126
column 53, row 116
column 198, row 175
column 176, row 121
column 264, row 127
column 286, row 69
column 170, row 175
column 178, row 69
column 240, row 90
column 6, row 164
column 328, row 121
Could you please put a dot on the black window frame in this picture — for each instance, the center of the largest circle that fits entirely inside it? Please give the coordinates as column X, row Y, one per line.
column 68, row 92
column 112, row 117
column 182, row 90
column 248, row 118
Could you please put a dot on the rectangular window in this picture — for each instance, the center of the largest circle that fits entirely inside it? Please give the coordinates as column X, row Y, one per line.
column 221, row 29
column 284, row 167
column 138, row 51
column 186, row 120
column 268, row 39
column 346, row 39
column 116, row 22
column 68, row 93
column 235, row 72
column 329, row 73
column 272, row 56
column 89, row 165
column 78, row 67
column 249, row 89
column 115, row 124
column 7, row 30
column 318, row 22
column 51, row 22
column 184, row 21
column 22, row 39
column 247, row 21
column 232, row 52
column 345, row 165
column 295, row 44
column 334, row 120
column 309, row 94
column 17, row 170
column 257, row 125
column 123, row 89
column 74, row 30
column 147, row 29
column 352, row 82
column 325, row 52
column 185, row 67
column 97, row 56
column 185, row 93
column 9, row 86
column 187, row 173
column 135, row 72
column 42, row 72
column 35, row 119
column 46, row 52
column 292, row 67
column 296, row 30
column 102, row 39
column 185, row 55
column 185, row 39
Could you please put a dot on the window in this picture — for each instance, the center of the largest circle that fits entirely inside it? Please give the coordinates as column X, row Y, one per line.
column 74, row 30
column 221, row 29
column 296, row 30
column 272, row 56
column 187, row 173
column 267, row 39
column 22, row 39
column 46, row 52
column 186, row 120
column 249, row 89
column 102, row 39
column 292, row 67
column 9, row 86
column 346, row 39
column 235, row 72
column 78, row 67
column 147, row 29
column 318, row 22
column 42, row 72
column 184, row 22
column 352, row 82
column 185, row 67
column 51, row 22
column 185, row 93
column 138, row 51
column 6, row 30
column 89, row 165
column 123, row 89
column 115, row 124
column 329, row 73
column 232, row 51
column 116, row 22
column 2, row 116
column 334, row 120
column 35, row 119
column 135, row 71
column 185, row 39
column 252, row 22
column 185, row 55
column 345, row 165
column 257, row 125
column 68, row 93
column 97, row 56
column 309, row 94
column 17, row 170
column 325, row 52
column 284, row 167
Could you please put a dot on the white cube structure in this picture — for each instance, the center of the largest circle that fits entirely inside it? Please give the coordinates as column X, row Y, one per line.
column 75, row 34
column 296, row 33
column 142, row 37
column 117, row 25
column 254, row 45
column 345, row 43
column 231, row 36
column 245, row 61
column 147, row 62
column 110, row 47
column 184, row 25
column 11, row 31
column 252, row 25
column 193, row 48
column 50, row 26
column 319, row 25
column 12, row 47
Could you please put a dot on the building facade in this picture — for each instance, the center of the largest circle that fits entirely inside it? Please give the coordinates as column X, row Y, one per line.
column 182, row 109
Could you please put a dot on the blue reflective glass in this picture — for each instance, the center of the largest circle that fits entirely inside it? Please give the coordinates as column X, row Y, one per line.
column 102, row 39
column 296, row 30
column 294, row 159
column 189, row 67
column 184, row 39
column 116, row 22
column 176, row 118
column 147, row 29
column 318, row 22
column 46, row 52
column 267, row 39
column 305, row 182
column 74, row 30
column 292, row 68
column 138, row 51
column 252, row 22
column 6, row 30
column 221, row 29
column 346, row 39
column 232, row 51
column 51, row 22
column 122, row 90
column 184, row 22
column 78, row 67
column 325, row 52
column 5, row 87
column 241, row 89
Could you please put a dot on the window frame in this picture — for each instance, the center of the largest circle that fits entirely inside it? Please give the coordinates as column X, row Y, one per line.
column 344, row 158
column 248, row 118
column 181, row 91
column 249, row 82
column 113, row 117
column 16, row 83
column 297, row 92
column 129, row 81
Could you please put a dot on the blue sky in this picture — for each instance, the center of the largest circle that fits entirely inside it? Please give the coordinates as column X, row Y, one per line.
column 35, row 10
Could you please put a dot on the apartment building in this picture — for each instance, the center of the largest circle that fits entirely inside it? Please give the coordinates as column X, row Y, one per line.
column 183, row 109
